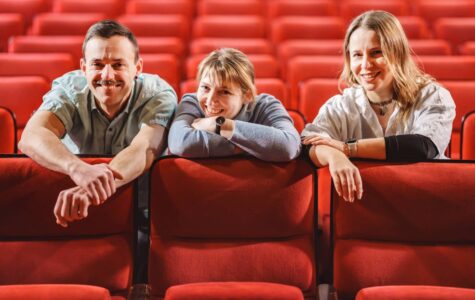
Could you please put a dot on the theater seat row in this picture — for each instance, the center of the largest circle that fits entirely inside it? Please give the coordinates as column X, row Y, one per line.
column 245, row 228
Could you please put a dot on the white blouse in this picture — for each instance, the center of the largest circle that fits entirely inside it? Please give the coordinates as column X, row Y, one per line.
column 350, row 116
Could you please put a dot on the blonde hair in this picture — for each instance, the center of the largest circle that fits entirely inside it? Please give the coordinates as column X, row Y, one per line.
column 228, row 65
column 408, row 78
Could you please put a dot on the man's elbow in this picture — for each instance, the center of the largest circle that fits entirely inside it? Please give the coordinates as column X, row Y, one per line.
column 24, row 145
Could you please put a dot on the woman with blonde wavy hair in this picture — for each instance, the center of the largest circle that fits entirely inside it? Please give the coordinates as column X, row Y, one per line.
column 226, row 116
column 391, row 109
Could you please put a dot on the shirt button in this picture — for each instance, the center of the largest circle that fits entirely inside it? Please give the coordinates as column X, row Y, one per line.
column 110, row 129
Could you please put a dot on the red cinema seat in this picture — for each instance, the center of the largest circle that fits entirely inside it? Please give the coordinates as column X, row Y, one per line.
column 430, row 47
column 352, row 8
column 431, row 10
column 22, row 95
column 467, row 137
column 226, row 225
column 307, row 28
column 455, row 30
column 11, row 25
column 157, row 25
column 463, row 93
column 410, row 228
column 54, row 292
column 231, row 26
column 48, row 44
column 468, row 48
column 109, row 8
column 233, row 290
column 302, row 68
column 448, row 67
column 161, row 7
column 47, row 65
column 314, row 93
column 414, row 27
column 242, row 7
column 8, row 130
column 27, row 8
column 166, row 66
column 424, row 292
column 314, row 8
column 247, row 46
column 272, row 86
column 265, row 66
column 298, row 118
column 63, row 23
column 161, row 45
column 95, row 251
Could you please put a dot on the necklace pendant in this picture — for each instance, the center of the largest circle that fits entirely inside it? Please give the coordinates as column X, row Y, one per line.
column 382, row 110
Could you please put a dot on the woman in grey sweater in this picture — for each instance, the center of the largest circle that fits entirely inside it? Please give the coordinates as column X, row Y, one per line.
column 226, row 117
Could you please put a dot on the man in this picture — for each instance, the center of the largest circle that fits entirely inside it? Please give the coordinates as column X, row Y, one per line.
column 107, row 107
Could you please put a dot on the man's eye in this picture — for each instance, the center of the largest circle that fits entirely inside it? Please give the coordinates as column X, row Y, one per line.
column 117, row 65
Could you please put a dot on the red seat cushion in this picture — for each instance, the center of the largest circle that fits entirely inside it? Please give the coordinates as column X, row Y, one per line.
column 415, row 292
column 233, row 290
column 53, row 292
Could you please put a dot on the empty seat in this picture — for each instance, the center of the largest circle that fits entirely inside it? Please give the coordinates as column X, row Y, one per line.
column 229, row 27
column 352, row 8
column 109, row 8
column 161, row 7
column 415, row 27
column 295, row 28
column 233, row 222
column 27, row 8
column 48, row 44
column 265, row 66
column 314, row 93
column 463, row 93
column 219, row 7
column 468, row 48
column 430, row 47
column 166, row 66
column 248, row 46
column 448, row 67
column 282, row 8
column 456, row 31
column 161, row 45
column 298, row 118
column 467, row 137
column 421, row 292
column 95, row 251
column 302, row 68
column 63, row 24
column 8, row 130
column 11, row 24
column 22, row 95
column 157, row 25
column 431, row 10
column 54, row 292
column 48, row 65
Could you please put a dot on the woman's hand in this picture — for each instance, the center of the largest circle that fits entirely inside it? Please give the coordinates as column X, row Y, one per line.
column 205, row 124
column 346, row 177
column 317, row 139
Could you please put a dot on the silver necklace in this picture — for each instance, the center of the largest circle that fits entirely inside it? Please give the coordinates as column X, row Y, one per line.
column 383, row 106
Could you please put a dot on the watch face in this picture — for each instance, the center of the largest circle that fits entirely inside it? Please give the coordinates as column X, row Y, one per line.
column 220, row 120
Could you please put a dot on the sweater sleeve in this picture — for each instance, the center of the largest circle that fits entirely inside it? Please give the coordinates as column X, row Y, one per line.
column 271, row 135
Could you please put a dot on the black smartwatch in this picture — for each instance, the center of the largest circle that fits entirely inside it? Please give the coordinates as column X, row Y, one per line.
column 219, row 122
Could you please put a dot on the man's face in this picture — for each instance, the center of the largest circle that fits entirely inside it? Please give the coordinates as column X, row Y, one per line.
column 110, row 69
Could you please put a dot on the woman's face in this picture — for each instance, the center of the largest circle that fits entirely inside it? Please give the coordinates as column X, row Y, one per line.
column 369, row 66
column 225, row 99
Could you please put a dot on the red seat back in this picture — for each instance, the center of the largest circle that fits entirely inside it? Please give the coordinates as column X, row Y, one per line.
column 242, row 7
column 161, row 7
column 467, row 139
column 64, row 23
column 308, row 28
column 298, row 118
column 8, row 130
column 11, row 24
column 157, row 25
column 314, row 93
column 229, row 27
column 109, row 8
column 247, row 46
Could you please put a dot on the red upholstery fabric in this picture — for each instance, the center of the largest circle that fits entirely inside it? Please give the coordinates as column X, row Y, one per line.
column 352, row 8
column 161, row 45
column 161, row 7
column 165, row 65
column 229, row 27
column 301, row 8
column 463, row 93
column 430, row 47
column 411, row 227
column 23, row 95
column 147, row 25
column 248, row 46
column 302, row 68
column 415, row 27
column 298, row 118
column 415, row 293
column 110, row 8
column 468, row 48
column 314, row 93
column 236, row 220
column 456, row 30
column 295, row 28
column 233, row 291
column 11, row 24
column 53, row 292
column 468, row 137
column 265, row 66
column 436, row 9
column 34, row 249
column 8, row 130
column 27, row 8
column 47, row 65
column 448, row 67
column 242, row 7
column 64, row 23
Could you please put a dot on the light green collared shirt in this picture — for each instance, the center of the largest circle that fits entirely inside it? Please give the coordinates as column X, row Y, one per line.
column 88, row 131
